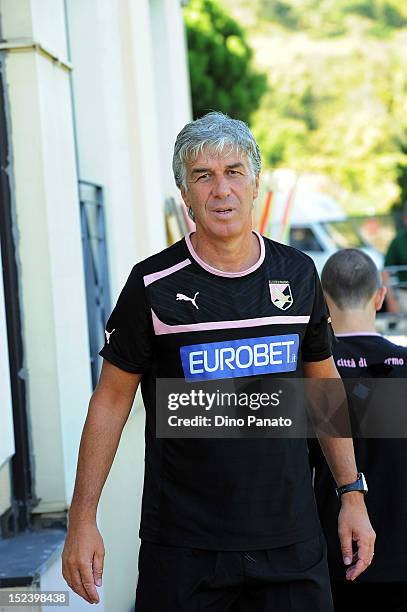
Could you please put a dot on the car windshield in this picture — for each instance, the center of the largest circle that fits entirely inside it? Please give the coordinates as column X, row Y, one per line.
column 304, row 239
column 376, row 231
column 344, row 234
column 356, row 232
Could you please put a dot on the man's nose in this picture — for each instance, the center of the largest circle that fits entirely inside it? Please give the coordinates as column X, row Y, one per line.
column 221, row 187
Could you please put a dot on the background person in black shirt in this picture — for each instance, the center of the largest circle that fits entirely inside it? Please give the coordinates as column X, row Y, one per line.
column 354, row 294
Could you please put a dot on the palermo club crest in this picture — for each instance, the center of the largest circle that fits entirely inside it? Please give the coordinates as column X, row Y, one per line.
column 280, row 293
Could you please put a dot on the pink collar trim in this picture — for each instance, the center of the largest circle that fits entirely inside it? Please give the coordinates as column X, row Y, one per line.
column 212, row 270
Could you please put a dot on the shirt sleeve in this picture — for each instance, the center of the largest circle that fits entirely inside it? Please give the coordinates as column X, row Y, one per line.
column 319, row 336
column 129, row 333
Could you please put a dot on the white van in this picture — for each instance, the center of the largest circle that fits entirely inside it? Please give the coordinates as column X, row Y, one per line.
column 320, row 239
column 316, row 224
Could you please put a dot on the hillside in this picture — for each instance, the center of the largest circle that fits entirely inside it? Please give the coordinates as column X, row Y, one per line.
column 337, row 100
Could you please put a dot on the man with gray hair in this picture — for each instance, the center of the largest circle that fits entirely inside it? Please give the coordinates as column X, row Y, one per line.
column 227, row 524
column 354, row 294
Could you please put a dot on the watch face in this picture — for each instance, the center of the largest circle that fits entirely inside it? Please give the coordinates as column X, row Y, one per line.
column 363, row 482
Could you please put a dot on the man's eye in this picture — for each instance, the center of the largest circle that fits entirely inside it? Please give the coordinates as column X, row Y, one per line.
column 233, row 172
column 202, row 176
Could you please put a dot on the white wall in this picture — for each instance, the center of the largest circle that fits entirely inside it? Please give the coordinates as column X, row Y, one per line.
column 5, row 487
column 36, row 20
column 117, row 126
column 171, row 81
column 119, row 515
column 49, row 245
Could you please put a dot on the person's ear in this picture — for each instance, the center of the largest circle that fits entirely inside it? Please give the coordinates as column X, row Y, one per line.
column 379, row 297
column 256, row 187
column 184, row 195
column 332, row 307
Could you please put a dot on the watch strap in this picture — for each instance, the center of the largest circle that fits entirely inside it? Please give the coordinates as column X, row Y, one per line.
column 359, row 485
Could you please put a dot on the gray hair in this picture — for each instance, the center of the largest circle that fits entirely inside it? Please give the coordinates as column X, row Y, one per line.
column 350, row 278
column 213, row 132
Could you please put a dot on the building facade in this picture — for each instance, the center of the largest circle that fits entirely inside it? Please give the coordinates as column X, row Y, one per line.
column 93, row 93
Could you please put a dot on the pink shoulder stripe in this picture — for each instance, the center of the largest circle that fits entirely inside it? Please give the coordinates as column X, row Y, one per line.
column 151, row 278
column 161, row 328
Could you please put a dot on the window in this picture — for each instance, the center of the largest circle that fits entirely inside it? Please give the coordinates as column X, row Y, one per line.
column 344, row 234
column 96, row 269
column 304, row 239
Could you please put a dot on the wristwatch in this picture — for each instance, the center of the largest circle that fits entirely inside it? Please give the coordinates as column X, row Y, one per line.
column 359, row 485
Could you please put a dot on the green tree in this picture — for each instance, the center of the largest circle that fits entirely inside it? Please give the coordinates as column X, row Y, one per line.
column 220, row 63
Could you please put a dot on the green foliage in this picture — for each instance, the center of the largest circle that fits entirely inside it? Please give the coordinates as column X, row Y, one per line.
column 220, row 63
column 288, row 114
column 280, row 12
column 401, row 177
column 389, row 13
column 337, row 97
column 329, row 17
column 338, row 117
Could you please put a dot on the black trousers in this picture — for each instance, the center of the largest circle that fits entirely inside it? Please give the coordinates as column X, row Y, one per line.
column 371, row 596
column 289, row 579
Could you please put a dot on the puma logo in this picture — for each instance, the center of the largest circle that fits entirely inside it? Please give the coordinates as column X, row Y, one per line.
column 108, row 334
column 181, row 296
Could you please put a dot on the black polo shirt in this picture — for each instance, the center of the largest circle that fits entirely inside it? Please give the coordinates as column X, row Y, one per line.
column 177, row 317
column 383, row 461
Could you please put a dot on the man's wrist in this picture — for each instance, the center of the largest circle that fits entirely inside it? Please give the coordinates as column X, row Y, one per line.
column 344, row 480
column 80, row 517
column 352, row 498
